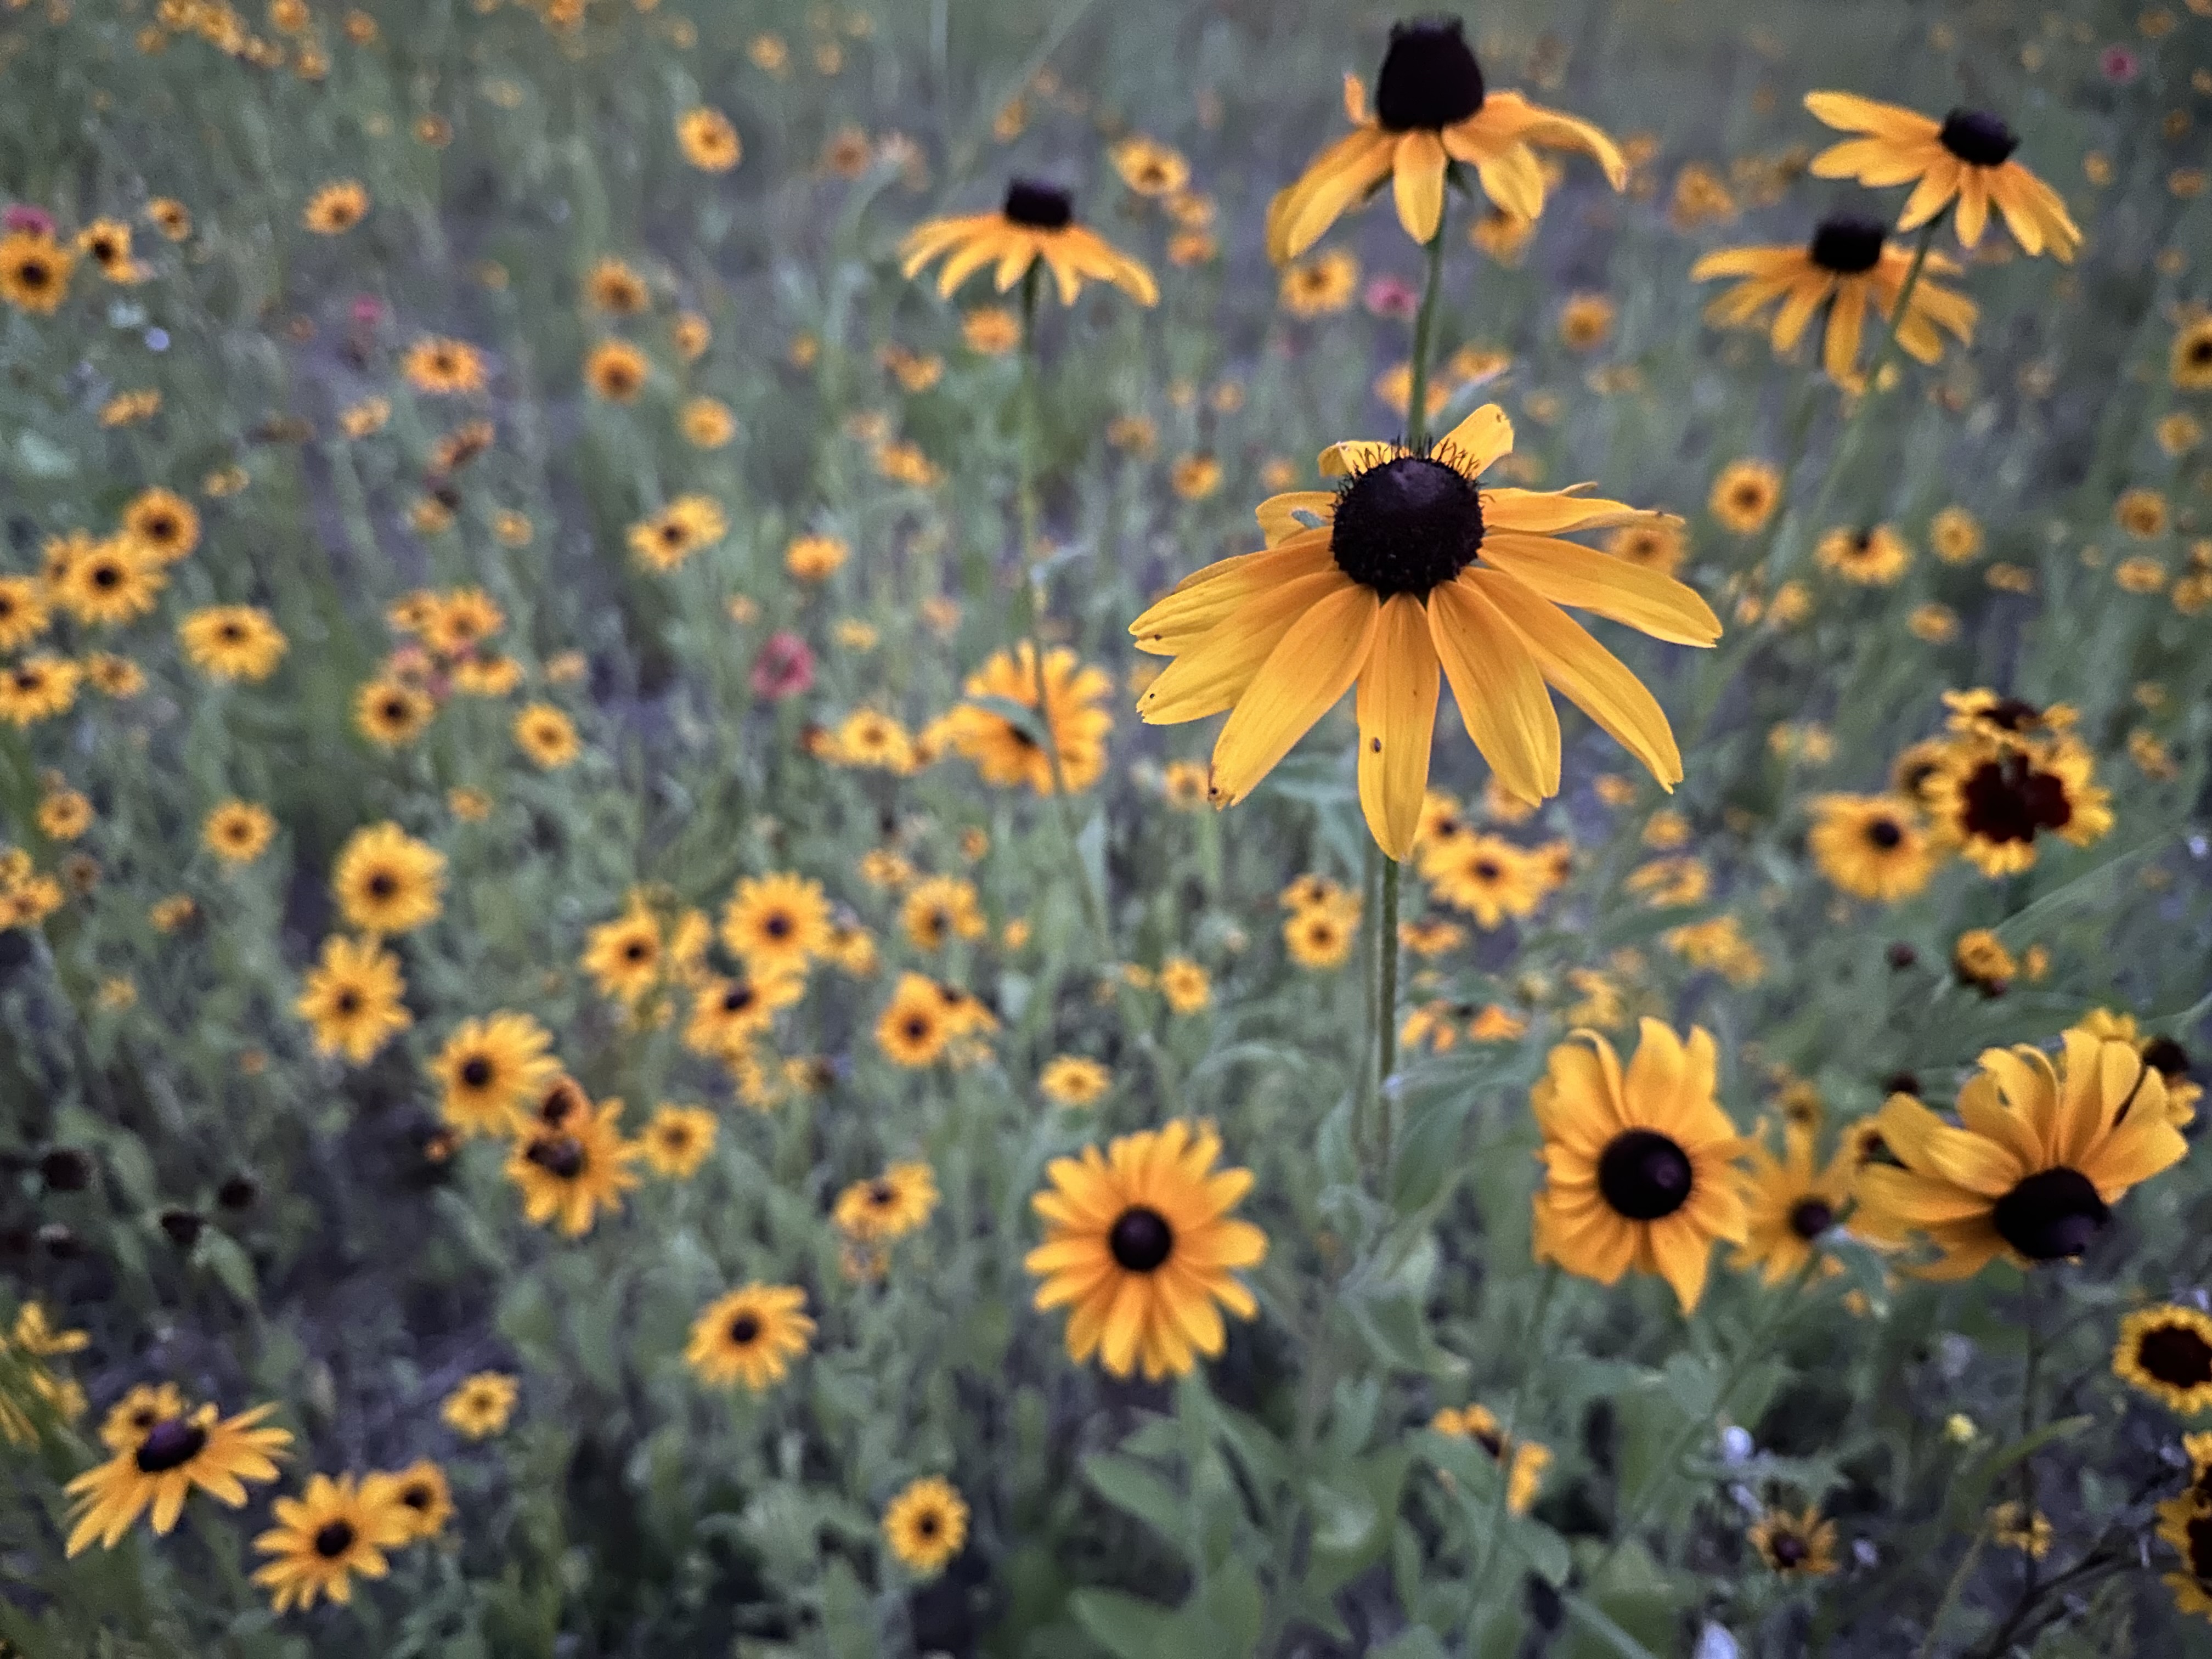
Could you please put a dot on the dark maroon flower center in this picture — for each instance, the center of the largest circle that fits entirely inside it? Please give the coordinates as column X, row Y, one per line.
column 333, row 1539
column 105, row 575
column 1848, row 244
column 745, row 1330
column 1884, row 834
column 1811, row 1217
column 1788, row 1550
column 477, row 1072
column 383, row 884
column 2177, row 1355
column 1429, row 78
column 736, row 999
column 2052, row 1214
column 170, row 1444
column 1978, row 138
column 2008, row 799
column 882, row 1194
column 1645, row 1176
column 2200, row 1547
column 559, row 1156
column 1038, row 206
column 1407, row 525
column 2167, row 1057
column 1140, row 1239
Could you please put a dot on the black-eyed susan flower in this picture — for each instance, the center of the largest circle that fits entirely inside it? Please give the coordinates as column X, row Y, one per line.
column 421, row 1491
column 1431, row 109
column 387, row 882
column 1872, row 557
column 916, row 1024
column 232, row 642
column 1964, row 160
column 109, row 582
column 1073, row 1081
column 677, row 1139
column 238, row 831
column 613, row 285
column 336, row 208
column 728, row 1013
column 2185, row 1523
column 1638, row 1164
column 1185, row 985
column 1745, row 495
column 777, row 923
column 1320, row 286
column 889, row 1206
column 1791, row 1202
column 623, row 956
column 1993, row 800
column 941, row 908
column 1523, row 1461
column 2042, row 1154
column 36, row 688
column 570, row 1171
column 615, row 370
column 1875, row 847
column 139, row 1412
column 1795, row 1545
column 1410, row 567
column 333, row 1530
column 926, row 1526
column 1486, row 876
column 390, row 713
column 708, row 140
column 1139, row 1247
column 24, row 611
column 218, row 1455
column 1037, row 224
column 547, row 736
column 1004, row 750
column 750, row 1336
column 351, row 999
column 2189, row 364
column 162, row 524
column 1849, row 268
column 441, row 367
column 34, row 271
column 481, row 1406
column 489, row 1069
column 2167, row 1352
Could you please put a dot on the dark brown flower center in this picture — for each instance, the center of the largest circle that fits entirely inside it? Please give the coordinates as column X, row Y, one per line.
column 417, row 1496
column 170, row 1444
column 635, row 950
column 1884, row 834
column 476, row 1071
column 778, row 926
column 1038, row 206
column 745, row 1330
column 333, row 1539
column 2008, row 799
column 1429, row 78
column 2177, row 1355
column 2052, row 1214
column 1140, row 1239
column 882, row 1194
column 738, row 999
column 1645, row 1176
column 1811, row 1217
column 2200, row 1546
column 2167, row 1057
column 1848, row 244
column 347, row 1002
column 105, row 575
column 559, row 1156
column 1788, row 1550
column 1406, row 526
column 927, row 1523
column 383, row 884
column 1978, row 138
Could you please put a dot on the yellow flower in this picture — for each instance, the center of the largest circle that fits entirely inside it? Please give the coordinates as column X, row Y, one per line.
column 351, row 999
column 336, row 208
column 749, row 1336
column 926, row 1525
column 480, row 1407
column 547, row 736
column 1035, row 224
column 708, row 140
column 232, row 642
column 1074, row 1080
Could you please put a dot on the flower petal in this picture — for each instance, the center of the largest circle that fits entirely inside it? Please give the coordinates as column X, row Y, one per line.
column 1500, row 693
column 1310, row 669
column 1569, row 574
column 1397, row 709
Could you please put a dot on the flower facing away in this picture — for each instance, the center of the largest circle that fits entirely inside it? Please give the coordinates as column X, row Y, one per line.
column 2166, row 1352
column 1035, row 224
column 490, row 1068
column 1790, row 1204
column 480, row 1407
column 1528, row 1460
column 1874, row 846
column 1409, row 567
column 159, row 1471
column 926, row 1525
column 569, row 1171
column 1637, row 1164
column 889, row 1206
column 1139, row 1246
column 1795, row 1545
column 749, row 1336
column 1006, row 751
column 351, row 999
column 1431, row 109
column 331, row 1531
column 2041, row 1155
column 1964, row 159
column 1850, row 268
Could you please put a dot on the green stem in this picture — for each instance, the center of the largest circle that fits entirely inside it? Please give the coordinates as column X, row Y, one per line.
column 1026, row 507
column 1386, row 1014
column 2029, row 1299
column 1531, row 1349
column 1952, row 1592
column 1424, row 324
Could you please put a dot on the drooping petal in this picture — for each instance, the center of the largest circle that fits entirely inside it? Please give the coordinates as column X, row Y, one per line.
column 1310, row 669
column 1332, row 182
column 1397, row 709
column 1931, row 194
column 1586, row 580
column 1587, row 674
column 1512, row 178
column 1217, row 670
column 1183, row 617
column 1839, row 351
column 1418, row 184
column 1500, row 693
column 1848, row 112
column 1974, row 207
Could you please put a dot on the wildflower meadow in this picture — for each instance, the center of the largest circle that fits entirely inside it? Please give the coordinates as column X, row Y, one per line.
column 1192, row 830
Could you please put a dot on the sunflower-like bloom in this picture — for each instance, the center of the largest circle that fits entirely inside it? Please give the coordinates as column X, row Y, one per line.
column 1993, row 799
column 175, row 1455
column 332, row 1530
column 1872, row 846
column 1407, row 568
column 1795, row 1545
column 1966, row 158
column 1004, row 752
column 1037, row 223
column 1431, row 109
column 570, row 1170
column 890, row 1205
column 926, row 1525
column 1527, row 1461
column 1638, row 1163
column 1790, row 1203
column 1139, row 1244
column 749, row 1336
column 1848, row 267
column 2166, row 1352
column 2185, row 1522
column 2044, row 1153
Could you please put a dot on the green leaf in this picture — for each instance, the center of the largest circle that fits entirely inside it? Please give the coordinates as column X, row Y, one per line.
column 230, row 1264
column 1133, row 1488
column 1419, row 1642
column 1123, row 1626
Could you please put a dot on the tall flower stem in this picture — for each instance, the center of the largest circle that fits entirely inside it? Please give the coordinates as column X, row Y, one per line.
column 1532, row 1348
column 1025, row 509
column 2029, row 1298
column 1854, row 427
